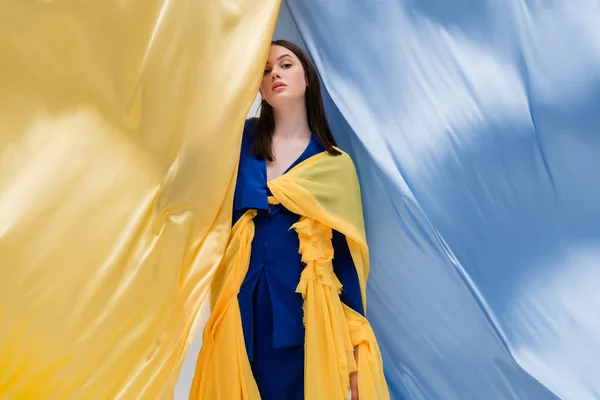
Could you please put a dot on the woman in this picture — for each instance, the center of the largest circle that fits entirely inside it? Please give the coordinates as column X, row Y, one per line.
column 276, row 283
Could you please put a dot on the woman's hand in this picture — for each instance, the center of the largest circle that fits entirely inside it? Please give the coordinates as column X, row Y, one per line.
column 354, row 385
column 354, row 378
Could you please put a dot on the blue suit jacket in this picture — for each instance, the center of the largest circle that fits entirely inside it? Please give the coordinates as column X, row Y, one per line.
column 275, row 264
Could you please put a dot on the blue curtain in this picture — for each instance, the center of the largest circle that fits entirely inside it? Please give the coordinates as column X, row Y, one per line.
column 475, row 128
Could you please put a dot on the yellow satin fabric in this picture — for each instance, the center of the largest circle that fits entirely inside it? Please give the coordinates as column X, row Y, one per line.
column 119, row 138
column 324, row 191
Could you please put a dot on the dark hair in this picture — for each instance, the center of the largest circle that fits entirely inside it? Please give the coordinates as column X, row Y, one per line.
column 317, row 122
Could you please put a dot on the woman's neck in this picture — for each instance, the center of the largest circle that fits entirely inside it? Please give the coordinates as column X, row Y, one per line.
column 291, row 122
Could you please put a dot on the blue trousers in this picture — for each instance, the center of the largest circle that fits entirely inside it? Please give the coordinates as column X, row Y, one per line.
column 279, row 372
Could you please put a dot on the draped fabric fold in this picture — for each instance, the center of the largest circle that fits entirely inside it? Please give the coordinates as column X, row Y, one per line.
column 474, row 126
column 330, row 358
column 218, row 375
column 324, row 191
column 119, row 140
column 371, row 381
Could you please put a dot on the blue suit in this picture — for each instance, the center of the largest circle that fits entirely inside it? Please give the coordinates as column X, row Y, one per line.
column 270, row 308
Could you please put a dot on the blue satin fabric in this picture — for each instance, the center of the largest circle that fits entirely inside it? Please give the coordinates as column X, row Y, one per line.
column 475, row 128
column 270, row 308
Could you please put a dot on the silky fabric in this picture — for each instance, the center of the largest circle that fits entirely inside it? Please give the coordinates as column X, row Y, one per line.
column 275, row 264
column 474, row 127
column 119, row 139
column 324, row 191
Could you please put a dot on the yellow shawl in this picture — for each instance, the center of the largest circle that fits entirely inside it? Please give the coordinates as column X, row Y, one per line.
column 324, row 191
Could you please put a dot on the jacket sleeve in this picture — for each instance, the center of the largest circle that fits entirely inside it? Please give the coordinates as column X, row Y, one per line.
column 344, row 268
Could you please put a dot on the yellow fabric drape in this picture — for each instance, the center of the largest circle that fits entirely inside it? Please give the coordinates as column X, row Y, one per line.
column 228, row 375
column 119, row 138
column 329, row 355
column 324, row 191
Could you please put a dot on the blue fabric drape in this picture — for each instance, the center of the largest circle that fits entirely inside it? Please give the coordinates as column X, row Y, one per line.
column 475, row 129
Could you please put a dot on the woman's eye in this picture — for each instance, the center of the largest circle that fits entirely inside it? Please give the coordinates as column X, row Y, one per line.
column 287, row 65
column 266, row 71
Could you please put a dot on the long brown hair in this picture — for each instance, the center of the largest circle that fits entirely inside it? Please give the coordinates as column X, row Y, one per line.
column 315, row 112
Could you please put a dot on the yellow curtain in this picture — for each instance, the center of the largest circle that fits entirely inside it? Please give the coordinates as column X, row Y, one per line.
column 120, row 127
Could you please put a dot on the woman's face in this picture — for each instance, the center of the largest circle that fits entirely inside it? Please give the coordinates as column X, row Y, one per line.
column 283, row 79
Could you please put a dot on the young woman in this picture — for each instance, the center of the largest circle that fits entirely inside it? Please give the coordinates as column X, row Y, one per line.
column 274, row 305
